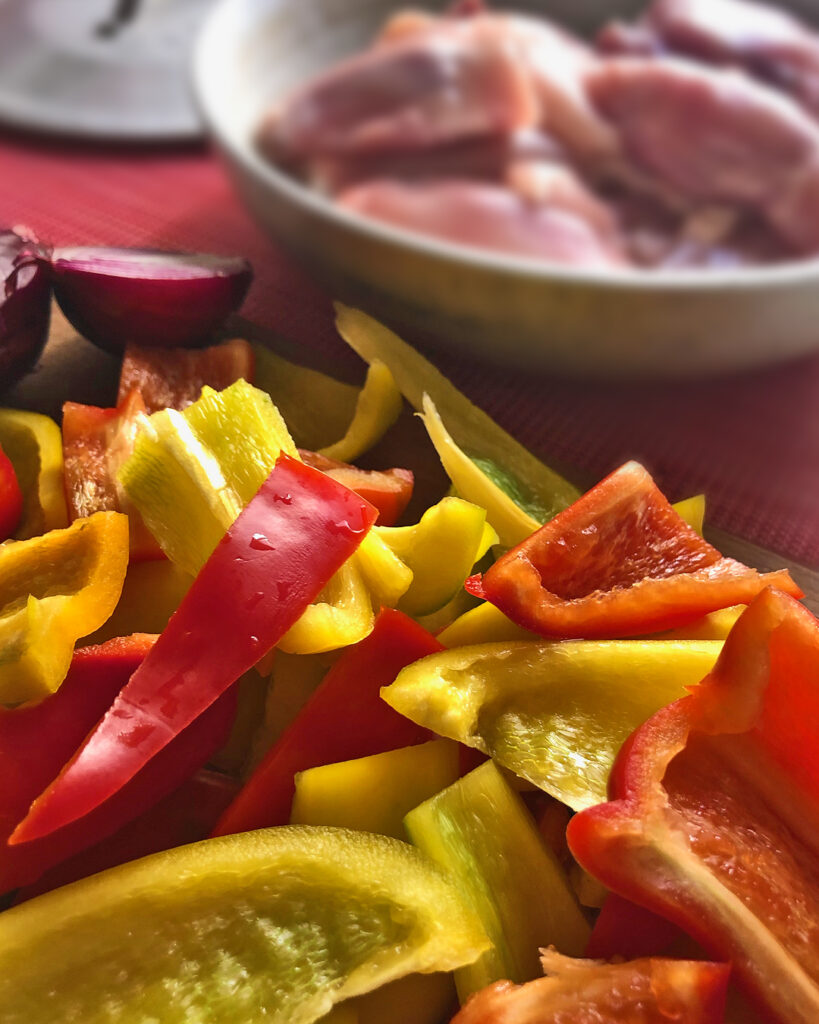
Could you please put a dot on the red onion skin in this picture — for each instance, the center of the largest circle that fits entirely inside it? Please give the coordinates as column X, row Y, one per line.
column 113, row 309
column 25, row 304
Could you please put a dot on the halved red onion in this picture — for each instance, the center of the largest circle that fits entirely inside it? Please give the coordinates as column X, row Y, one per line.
column 25, row 303
column 166, row 299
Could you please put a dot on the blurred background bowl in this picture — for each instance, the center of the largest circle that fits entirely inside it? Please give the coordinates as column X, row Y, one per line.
column 580, row 322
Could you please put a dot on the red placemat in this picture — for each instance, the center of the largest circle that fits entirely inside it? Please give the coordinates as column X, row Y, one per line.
column 750, row 442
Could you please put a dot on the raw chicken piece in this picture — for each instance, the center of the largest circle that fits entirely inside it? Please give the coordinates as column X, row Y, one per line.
column 416, row 93
column 551, row 184
column 769, row 43
column 484, row 159
column 717, row 137
column 486, row 217
column 554, row 61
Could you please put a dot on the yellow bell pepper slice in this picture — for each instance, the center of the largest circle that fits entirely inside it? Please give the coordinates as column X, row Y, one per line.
column 471, row 428
column 692, row 510
column 483, row 625
column 480, row 832
column 151, row 593
column 316, row 408
column 373, row 794
column 342, row 615
column 440, row 550
column 34, row 445
column 55, row 589
column 379, row 405
column 556, row 714
column 192, row 472
column 387, row 577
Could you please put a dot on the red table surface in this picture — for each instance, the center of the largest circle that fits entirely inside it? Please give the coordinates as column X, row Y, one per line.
column 749, row 441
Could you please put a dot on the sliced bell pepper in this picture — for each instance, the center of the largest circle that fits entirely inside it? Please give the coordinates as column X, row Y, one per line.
column 471, row 428
column 96, row 442
column 387, row 577
column 483, row 624
column 341, row 615
column 192, row 472
column 36, row 741
column 184, row 816
column 388, row 489
column 316, row 408
column 651, row 991
column 715, row 804
column 377, row 407
column 440, row 550
column 555, row 714
column 173, row 378
column 479, row 831
column 619, row 562
column 293, row 535
column 55, row 589
column 151, row 593
column 11, row 498
column 344, row 718
column 34, row 444
column 374, row 793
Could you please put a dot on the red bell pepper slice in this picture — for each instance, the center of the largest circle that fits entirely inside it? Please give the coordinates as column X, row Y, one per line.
column 650, row 991
column 11, row 498
column 345, row 718
column 624, row 929
column 96, row 442
column 36, row 741
column 270, row 565
column 173, row 378
column 389, row 490
column 715, row 815
column 619, row 562
column 184, row 816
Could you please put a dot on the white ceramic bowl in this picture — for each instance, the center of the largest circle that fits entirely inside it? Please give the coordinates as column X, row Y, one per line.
column 591, row 323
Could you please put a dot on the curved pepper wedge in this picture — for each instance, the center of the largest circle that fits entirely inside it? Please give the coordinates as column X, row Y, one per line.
column 618, row 562
column 55, row 589
column 714, row 819
column 652, row 991
column 273, row 561
column 34, row 444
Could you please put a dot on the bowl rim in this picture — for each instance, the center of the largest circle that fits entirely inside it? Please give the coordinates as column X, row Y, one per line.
column 210, row 42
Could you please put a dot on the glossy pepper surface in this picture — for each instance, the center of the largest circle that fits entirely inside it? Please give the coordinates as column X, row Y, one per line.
column 715, row 804
column 34, row 444
column 618, row 562
column 295, row 533
column 344, row 718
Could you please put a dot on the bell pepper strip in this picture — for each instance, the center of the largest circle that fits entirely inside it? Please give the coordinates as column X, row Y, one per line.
column 651, row 991
column 388, row 489
column 470, row 427
column 96, row 442
column 619, row 562
column 173, row 378
column 692, row 511
column 184, row 816
column 279, row 553
column 483, row 624
column 34, row 445
column 374, row 793
column 377, row 407
column 387, row 577
column 345, row 718
column 55, row 589
column 440, row 550
column 192, row 472
column 341, row 615
column 96, row 674
column 555, row 714
column 151, row 593
column 36, row 740
column 715, row 807
column 624, row 929
column 11, row 498
column 479, row 831
column 317, row 408
column 713, row 626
